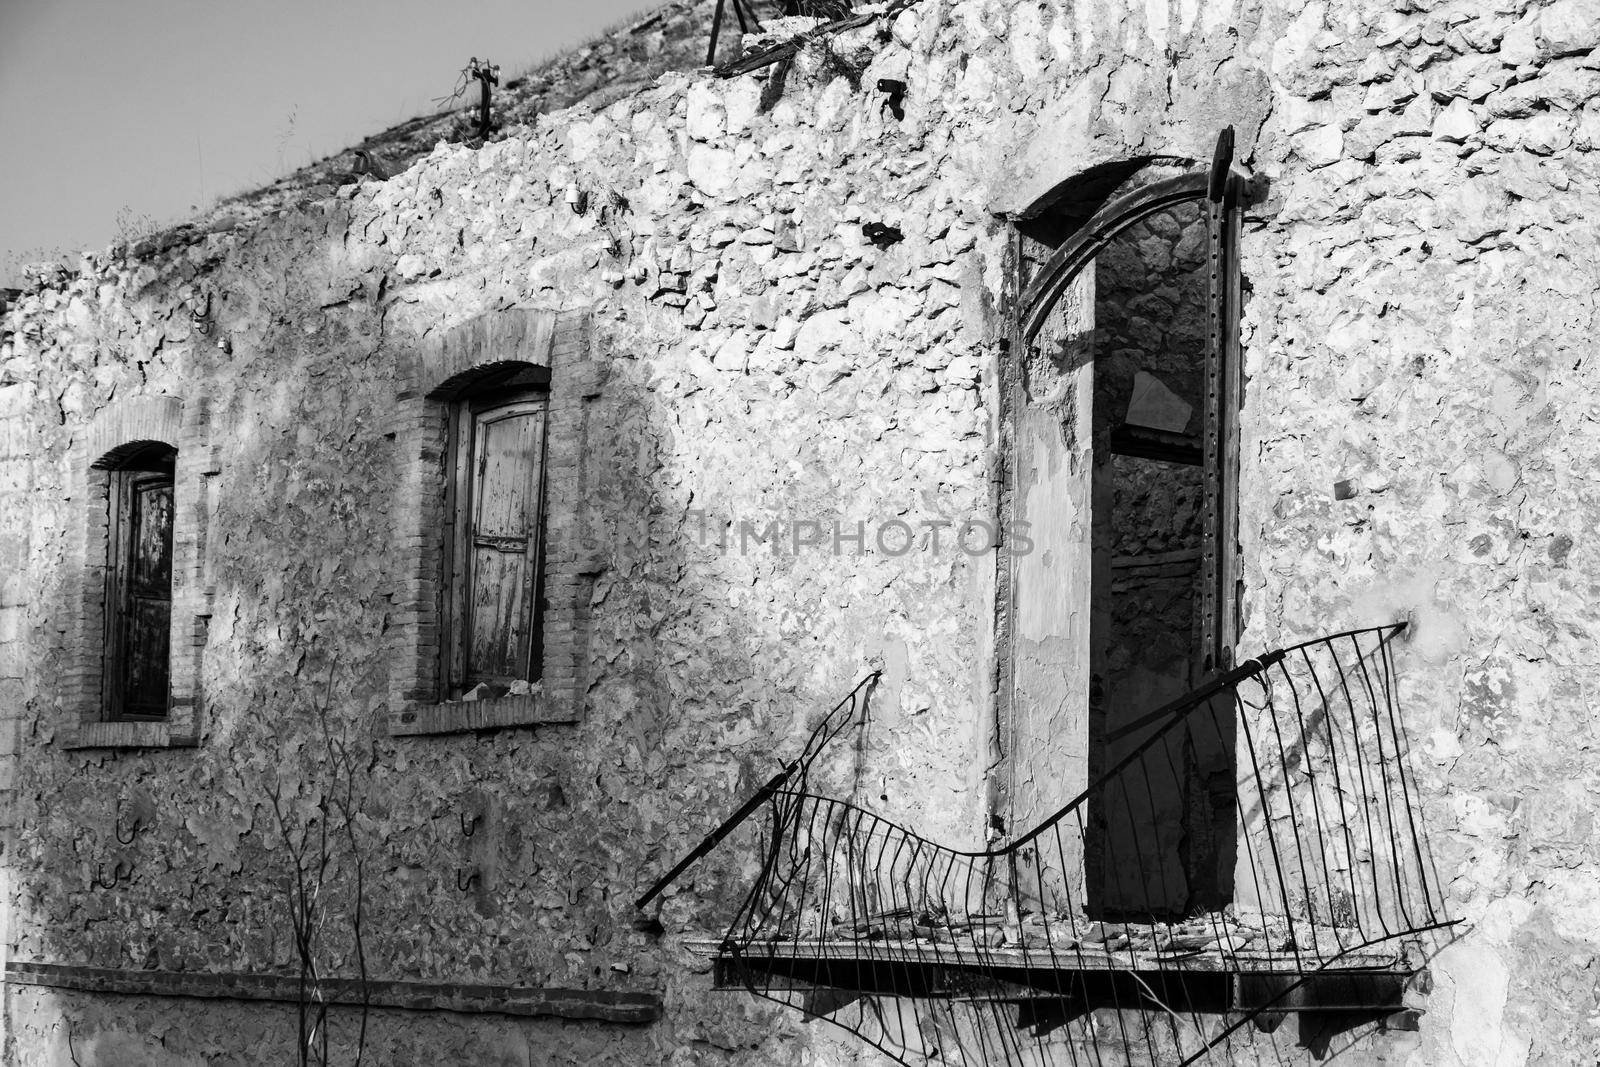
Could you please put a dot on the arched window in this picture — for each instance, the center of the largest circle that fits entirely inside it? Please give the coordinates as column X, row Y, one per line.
column 495, row 561
column 136, row 611
column 136, row 677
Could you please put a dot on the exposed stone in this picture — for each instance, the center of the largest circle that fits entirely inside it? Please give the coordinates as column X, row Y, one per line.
column 711, row 168
column 1416, row 337
column 1455, row 122
column 1569, row 27
column 1320, row 147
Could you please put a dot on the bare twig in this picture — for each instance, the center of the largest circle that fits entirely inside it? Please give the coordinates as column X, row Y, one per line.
column 311, row 845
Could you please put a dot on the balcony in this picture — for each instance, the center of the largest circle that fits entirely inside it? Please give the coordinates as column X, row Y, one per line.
column 1083, row 940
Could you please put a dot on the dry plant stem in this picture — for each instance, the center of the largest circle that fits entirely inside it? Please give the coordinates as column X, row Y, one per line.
column 313, row 857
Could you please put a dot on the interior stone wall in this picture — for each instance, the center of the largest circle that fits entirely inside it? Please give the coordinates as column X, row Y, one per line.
column 1418, row 334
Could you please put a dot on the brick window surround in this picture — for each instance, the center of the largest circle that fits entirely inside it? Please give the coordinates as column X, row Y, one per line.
column 432, row 376
column 115, row 432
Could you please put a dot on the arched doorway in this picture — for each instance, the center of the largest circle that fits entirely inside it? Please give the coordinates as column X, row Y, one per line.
column 1120, row 436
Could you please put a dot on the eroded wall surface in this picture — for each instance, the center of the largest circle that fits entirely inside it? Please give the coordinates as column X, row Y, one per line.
column 1418, row 329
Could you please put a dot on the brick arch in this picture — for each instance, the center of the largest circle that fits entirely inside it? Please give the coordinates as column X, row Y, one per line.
column 439, row 370
column 118, row 434
column 490, row 373
column 449, row 359
column 129, row 453
column 122, row 428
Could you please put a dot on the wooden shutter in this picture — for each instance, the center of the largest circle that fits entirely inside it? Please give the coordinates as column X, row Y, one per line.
column 499, row 550
column 139, row 601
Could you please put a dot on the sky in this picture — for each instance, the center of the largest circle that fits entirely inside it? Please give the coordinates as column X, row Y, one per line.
column 121, row 116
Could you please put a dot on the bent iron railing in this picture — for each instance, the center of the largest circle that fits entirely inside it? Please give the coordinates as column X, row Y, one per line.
column 980, row 957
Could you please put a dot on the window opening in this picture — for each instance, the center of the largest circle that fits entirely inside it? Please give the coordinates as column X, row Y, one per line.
column 137, row 676
column 494, row 556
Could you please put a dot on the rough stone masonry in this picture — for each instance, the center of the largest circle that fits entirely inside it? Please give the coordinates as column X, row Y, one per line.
column 725, row 344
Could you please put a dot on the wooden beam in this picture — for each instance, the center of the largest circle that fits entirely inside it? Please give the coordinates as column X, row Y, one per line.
column 472, row 998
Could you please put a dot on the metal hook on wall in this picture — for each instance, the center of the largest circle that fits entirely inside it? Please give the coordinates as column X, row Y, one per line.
column 469, row 826
column 121, row 871
column 471, row 880
column 133, row 831
column 140, row 812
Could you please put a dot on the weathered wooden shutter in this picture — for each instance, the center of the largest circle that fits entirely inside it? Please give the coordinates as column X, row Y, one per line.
column 501, row 540
column 139, row 608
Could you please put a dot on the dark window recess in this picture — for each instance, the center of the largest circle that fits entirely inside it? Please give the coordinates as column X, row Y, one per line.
column 494, row 556
column 139, row 588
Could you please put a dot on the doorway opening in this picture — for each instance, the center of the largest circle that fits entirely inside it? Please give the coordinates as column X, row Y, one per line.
column 1120, row 435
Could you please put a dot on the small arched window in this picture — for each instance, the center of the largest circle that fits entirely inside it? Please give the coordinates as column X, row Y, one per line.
column 136, row 678
column 492, row 422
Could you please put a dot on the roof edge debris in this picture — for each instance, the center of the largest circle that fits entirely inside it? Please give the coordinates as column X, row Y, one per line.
column 615, row 63
column 611, row 66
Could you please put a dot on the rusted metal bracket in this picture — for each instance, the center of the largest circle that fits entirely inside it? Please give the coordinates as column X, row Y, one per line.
column 121, row 871
column 768, row 56
column 716, row 836
column 487, row 74
column 133, row 832
column 716, row 26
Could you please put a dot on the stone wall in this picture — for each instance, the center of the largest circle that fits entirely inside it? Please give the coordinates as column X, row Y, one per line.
column 1150, row 315
column 1418, row 335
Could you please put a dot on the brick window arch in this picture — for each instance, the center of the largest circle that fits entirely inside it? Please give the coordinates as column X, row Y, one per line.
column 135, row 628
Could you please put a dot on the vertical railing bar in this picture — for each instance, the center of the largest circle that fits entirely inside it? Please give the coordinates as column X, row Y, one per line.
column 1388, row 792
column 1157, row 871
column 1339, row 787
column 1215, row 916
column 1294, row 823
column 1312, row 782
column 785, row 821
column 1088, row 1018
column 1391, row 684
column 1245, row 839
column 1402, row 749
column 891, row 943
column 825, row 902
column 807, row 809
column 1113, row 863
column 1366, row 790
column 1277, row 863
column 749, row 906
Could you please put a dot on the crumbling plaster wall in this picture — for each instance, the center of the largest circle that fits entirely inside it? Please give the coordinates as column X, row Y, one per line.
column 1419, row 325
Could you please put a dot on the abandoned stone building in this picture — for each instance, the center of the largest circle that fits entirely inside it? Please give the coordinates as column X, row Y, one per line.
column 403, row 572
